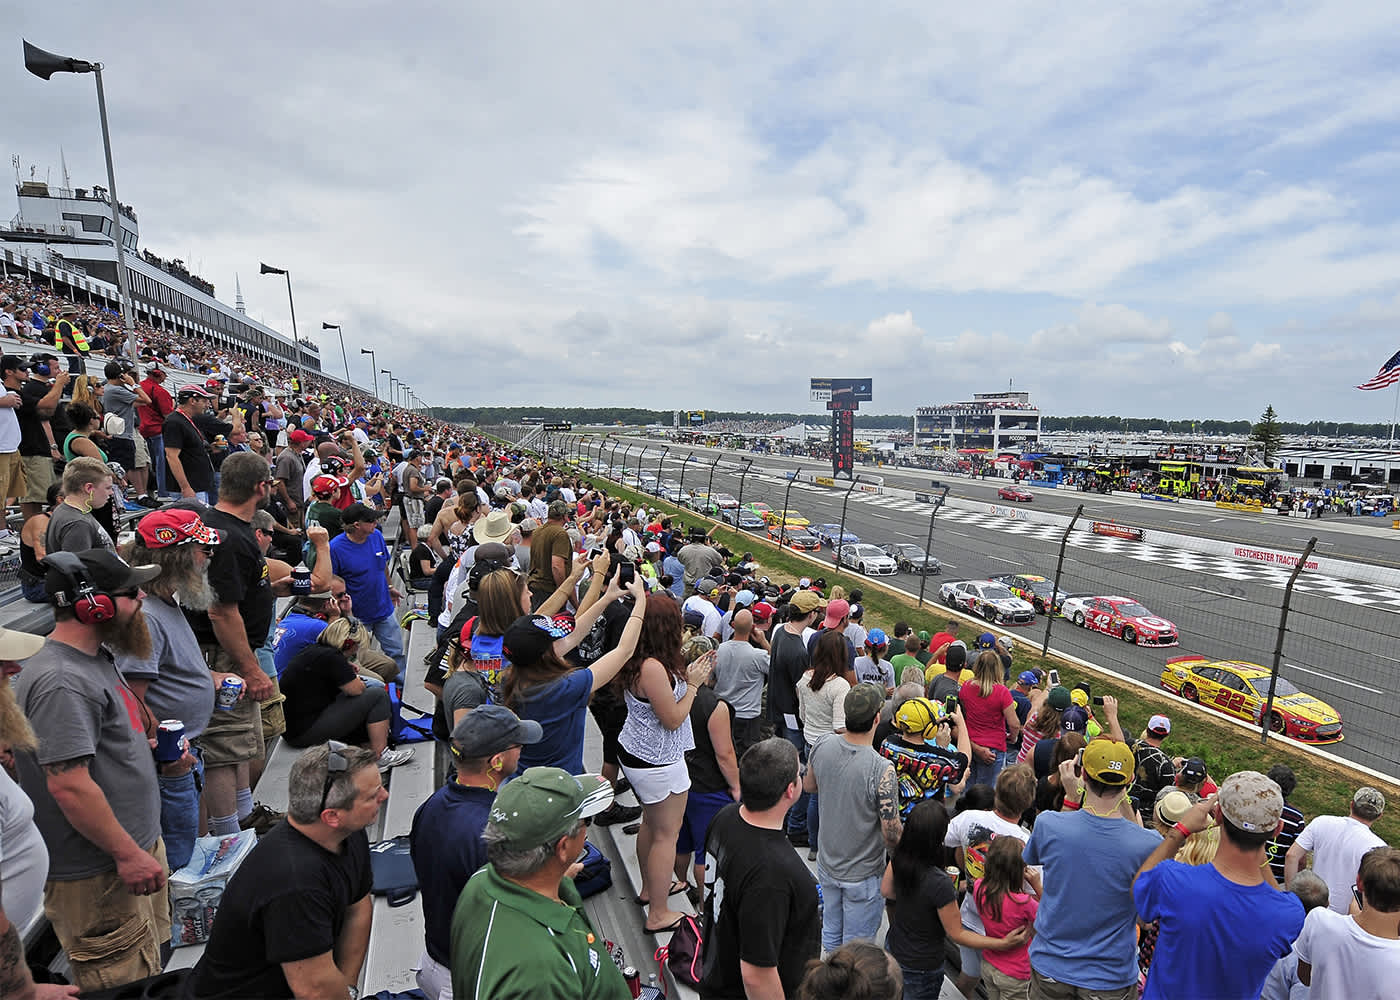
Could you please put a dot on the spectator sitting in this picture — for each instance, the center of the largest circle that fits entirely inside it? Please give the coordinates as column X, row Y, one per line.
column 32, row 551
column 858, row 969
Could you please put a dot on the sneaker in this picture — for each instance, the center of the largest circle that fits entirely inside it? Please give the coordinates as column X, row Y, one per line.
column 148, row 501
column 812, row 854
column 393, row 758
column 617, row 814
column 261, row 819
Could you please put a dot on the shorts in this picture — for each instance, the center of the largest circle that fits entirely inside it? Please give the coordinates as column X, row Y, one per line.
column 143, row 454
column 413, row 512
column 38, row 477
column 655, row 784
column 12, row 474
column 235, row 736
column 1044, row 988
column 700, row 809
column 274, row 719
column 122, row 451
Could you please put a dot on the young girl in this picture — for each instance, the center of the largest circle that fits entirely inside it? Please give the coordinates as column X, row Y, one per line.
column 1004, row 907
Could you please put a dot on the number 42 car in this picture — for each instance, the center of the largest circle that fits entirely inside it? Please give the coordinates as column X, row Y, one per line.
column 1121, row 617
column 1241, row 690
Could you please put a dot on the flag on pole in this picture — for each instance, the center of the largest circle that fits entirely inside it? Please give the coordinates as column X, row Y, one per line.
column 1388, row 375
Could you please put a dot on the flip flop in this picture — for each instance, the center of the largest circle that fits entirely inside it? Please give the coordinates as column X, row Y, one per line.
column 676, row 886
column 673, row 926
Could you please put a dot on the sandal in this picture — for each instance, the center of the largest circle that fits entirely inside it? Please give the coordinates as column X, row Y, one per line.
column 676, row 886
column 675, row 925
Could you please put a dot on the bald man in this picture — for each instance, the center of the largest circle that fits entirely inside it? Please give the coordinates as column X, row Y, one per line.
column 740, row 673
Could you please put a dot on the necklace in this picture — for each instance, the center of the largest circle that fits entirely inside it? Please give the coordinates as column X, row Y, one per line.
column 1112, row 810
column 467, row 784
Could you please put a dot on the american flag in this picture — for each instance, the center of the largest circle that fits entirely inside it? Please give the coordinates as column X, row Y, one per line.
column 1388, row 375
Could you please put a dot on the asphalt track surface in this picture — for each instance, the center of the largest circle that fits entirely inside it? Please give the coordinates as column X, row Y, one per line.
column 1217, row 618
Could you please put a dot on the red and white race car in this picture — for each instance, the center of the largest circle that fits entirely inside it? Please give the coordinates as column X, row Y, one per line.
column 1015, row 494
column 1121, row 617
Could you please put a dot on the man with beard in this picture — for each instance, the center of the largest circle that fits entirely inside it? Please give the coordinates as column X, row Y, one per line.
column 24, row 860
column 93, row 776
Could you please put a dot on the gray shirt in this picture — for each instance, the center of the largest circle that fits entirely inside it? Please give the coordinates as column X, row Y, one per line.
column 118, row 399
column 740, row 673
column 290, row 468
column 852, row 846
column 699, row 561
column 73, row 530
column 80, row 707
column 181, row 685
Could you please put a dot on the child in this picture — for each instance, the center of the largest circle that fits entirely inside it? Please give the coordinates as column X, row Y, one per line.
column 1004, row 907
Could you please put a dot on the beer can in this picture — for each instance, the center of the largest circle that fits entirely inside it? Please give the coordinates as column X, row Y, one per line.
column 301, row 581
column 227, row 695
column 634, row 981
column 170, row 740
column 191, row 923
column 954, row 873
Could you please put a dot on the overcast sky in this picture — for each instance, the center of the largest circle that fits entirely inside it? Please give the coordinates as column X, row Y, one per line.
column 1178, row 210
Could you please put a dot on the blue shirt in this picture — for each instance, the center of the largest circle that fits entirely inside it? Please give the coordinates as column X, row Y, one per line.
column 447, row 849
column 1217, row 939
column 559, row 707
column 293, row 634
column 364, row 566
column 1085, row 930
column 671, row 566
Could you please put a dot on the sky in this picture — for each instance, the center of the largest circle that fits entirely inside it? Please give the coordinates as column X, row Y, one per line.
column 1177, row 210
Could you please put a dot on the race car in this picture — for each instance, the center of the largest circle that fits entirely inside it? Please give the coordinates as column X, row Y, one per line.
column 1014, row 494
column 760, row 508
column 911, row 558
column 1029, row 587
column 792, row 518
column 795, row 538
column 1241, row 689
column 1121, row 617
column 725, row 502
column 744, row 519
column 831, row 534
column 990, row 600
column 868, row 559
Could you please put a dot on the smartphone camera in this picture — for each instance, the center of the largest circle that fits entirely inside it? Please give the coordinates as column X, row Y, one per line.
column 950, row 703
column 626, row 574
column 1054, row 677
column 1098, row 699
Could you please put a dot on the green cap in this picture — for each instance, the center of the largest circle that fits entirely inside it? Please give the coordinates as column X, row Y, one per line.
column 863, row 702
column 545, row 803
column 923, row 635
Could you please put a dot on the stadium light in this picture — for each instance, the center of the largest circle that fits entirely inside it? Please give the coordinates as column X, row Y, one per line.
column 336, row 328
column 373, row 367
column 296, row 340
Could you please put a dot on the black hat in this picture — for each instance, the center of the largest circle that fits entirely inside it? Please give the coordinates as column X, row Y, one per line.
column 360, row 512
column 103, row 568
column 530, row 637
column 13, row 362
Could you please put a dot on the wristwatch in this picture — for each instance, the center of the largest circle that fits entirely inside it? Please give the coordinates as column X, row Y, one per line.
column 354, row 992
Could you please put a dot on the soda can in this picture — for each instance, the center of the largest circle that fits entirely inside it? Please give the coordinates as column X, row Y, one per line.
column 634, row 981
column 170, row 740
column 954, row 873
column 227, row 695
column 301, row 581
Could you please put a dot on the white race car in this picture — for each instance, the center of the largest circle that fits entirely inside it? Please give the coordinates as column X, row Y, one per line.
column 991, row 600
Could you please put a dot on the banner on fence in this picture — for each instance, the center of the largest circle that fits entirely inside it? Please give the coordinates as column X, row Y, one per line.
column 1117, row 530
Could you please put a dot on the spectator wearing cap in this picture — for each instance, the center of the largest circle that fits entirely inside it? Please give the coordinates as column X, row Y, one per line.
column 151, row 423
column 1356, row 955
column 939, row 642
column 1155, row 769
column 87, row 486
column 551, row 552
column 871, row 666
column 702, row 601
column 741, row 670
column 445, row 839
column 519, row 930
column 120, row 398
column 927, row 762
column 1223, row 924
column 838, row 616
column 189, row 467
column 172, row 680
column 1337, row 845
column 700, row 559
column 322, row 509
column 1026, row 682
column 1091, row 850
column 1192, row 776
column 361, row 556
column 855, row 630
column 952, row 659
column 289, row 471
column 788, row 660
column 38, row 448
column 1283, row 776
column 999, row 645
column 859, row 803
column 925, row 652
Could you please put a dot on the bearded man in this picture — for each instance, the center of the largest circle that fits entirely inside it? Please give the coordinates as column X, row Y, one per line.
column 92, row 778
column 173, row 681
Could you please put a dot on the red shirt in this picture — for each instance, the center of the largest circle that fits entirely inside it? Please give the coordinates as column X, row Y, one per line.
column 152, row 417
column 986, row 723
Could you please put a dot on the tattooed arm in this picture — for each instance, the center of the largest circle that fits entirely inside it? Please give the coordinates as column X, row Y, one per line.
column 887, row 799
column 15, row 981
column 86, row 807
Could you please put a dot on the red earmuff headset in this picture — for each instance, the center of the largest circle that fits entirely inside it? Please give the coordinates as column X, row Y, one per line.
column 90, row 605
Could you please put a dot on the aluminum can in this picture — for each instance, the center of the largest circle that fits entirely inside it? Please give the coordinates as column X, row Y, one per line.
column 170, row 740
column 954, row 873
column 634, row 981
column 227, row 695
column 191, row 923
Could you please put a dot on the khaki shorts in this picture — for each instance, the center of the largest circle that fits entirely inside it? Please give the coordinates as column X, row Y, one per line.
column 413, row 512
column 274, row 719
column 12, row 475
column 38, row 477
column 112, row 937
column 143, row 453
column 377, row 663
column 235, row 736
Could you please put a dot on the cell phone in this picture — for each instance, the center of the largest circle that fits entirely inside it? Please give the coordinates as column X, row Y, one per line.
column 626, row 573
column 1054, row 677
column 1356, row 895
column 1098, row 699
column 950, row 703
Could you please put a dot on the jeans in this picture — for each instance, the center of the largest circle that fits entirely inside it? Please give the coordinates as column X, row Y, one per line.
column 986, row 774
column 156, row 483
column 390, row 636
column 814, row 818
column 922, row 984
column 851, row 911
column 179, row 811
column 797, row 815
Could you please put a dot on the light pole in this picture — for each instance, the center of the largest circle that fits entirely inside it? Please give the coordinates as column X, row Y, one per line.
column 374, row 367
column 291, row 304
column 339, row 333
column 392, row 380
column 44, row 65
column 407, row 392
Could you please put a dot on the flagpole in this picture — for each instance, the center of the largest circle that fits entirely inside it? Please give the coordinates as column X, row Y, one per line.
column 1395, row 411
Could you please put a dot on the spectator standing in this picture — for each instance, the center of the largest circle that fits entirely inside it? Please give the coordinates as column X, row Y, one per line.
column 949, row 680
column 14, row 370
column 40, row 394
column 788, row 661
column 120, row 398
column 860, row 809
column 700, row 559
column 295, row 918
column 858, row 969
column 741, row 669
column 1005, row 908
column 714, row 775
column 990, row 712
column 761, row 923
column 926, row 763
column 87, row 485
column 1223, row 925
column 550, row 554
column 1026, row 682
column 907, row 659
column 1283, row 776
column 821, row 694
column 361, row 555
column 1337, row 844
column 189, row 466
column 872, row 667
column 151, row 424
column 1357, row 956
column 289, row 471
column 1155, row 769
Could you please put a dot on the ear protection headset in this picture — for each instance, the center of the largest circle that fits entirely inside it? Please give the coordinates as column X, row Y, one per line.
column 90, row 605
column 921, row 716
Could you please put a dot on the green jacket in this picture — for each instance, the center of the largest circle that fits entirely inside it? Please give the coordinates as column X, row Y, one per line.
column 509, row 943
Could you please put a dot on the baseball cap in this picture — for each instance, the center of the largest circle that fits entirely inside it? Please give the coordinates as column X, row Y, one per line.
column 692, row 619
column 862, row 703
column 744, row 599
column 805, row 602
column 653, row 546
column 762, row 611
column 528, row 525
column 359, row 512
column 1251, row 801
column 1028, row 677
column 1074, row 720
column 489, row 729
column 1194, row 770
column 299, row 436
column 545, row 803
column 161, row 529
column 1109, row 762
column 1079, row 697
column 1159, row 725
column 328, row 484
column 835, row 611
column 984, row 641
column 857, row 611
column 954, row 657
column 104, row 569
column 193, row 390
column 1059, row 698
column 530, row 637
column 13, row 362
column 558, row 509
column 15, row 645
column 876, row 637
column 1368, row 802
column 705, row 587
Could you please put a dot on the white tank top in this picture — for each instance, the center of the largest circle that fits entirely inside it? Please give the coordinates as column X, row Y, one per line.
column 645, row 737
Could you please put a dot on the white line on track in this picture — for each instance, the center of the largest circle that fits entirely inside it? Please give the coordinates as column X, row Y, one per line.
column 1189, row 524
column 883, row 517
column 960, row 534
column 1333, row 677
column 1000, row 559
column 1219, row 593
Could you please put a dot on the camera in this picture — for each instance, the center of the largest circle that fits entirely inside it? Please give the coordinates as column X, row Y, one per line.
column 1098, row 699
column 1054, row 677
column 626, row 574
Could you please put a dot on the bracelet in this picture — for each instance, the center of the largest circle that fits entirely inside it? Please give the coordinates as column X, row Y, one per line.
column 1181, row 829
column 1070, row 805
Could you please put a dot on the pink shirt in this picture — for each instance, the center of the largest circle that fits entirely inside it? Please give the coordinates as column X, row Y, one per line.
column 1017, row 908
column 986, row 723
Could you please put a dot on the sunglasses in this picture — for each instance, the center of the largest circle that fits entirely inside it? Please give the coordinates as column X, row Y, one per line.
column 132, row 592
column 335, row 764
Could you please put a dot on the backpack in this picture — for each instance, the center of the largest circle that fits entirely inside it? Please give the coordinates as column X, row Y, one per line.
column 392, row 871
column 597, row 872
column 682, row 953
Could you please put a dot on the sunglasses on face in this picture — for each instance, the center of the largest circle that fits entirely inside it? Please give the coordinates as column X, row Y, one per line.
column 131, row 592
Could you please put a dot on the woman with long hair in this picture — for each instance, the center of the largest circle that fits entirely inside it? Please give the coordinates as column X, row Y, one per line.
column 1050, row 793
column 990, row 711
column 79, row 442
column 1043, row 722
column 855, row 971
column 451, row 531
column 476, row 664
column 659, row 689
column 821, row 696
column 924, row 904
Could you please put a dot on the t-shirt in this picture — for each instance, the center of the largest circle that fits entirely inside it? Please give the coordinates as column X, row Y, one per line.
column 700, row 560
column 80, row 707
column 986, row 723
column 559, row 707
column 287, row 902
column 904, row 661
column 1337, row 844
column 294, row 633
column 1087, row 857
column 74, row 530
column 870, row 672
column 847, row 776
column 549, row 540
column 118, row 399
column 290, row 468
column 363, row 566
column 916, row 936
column 463, row 690
column 238, row 574
column 32, row 439
column 179, row 433
column 421, row 554
column 311, row 682
column 1217, row 938
column 1278, row 847
column 181, row 686
column 942, row 685
column 923, row 770
column 24, row 858
column 974, row 830
column 327, row 515
column 787, row 662
column 740, row 671
column 1155, row 771
column 1347, row 962
column 9, row 430
column 1017, row 910
column 447, row 849
column 761, row 907
column 707, row 610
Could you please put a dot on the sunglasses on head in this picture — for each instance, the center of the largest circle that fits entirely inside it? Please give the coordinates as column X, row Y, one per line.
column 335, row 764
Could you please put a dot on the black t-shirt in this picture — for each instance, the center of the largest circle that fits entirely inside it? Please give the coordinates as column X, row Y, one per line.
column 421, row 554
column 312, row 680
column 432, row 508
column 194, row 453
column 786, row 665
column 287, row 902
column 1154, row 772
column 32, row 439
column 211, row 427
column 767, row 907
column 238, row 574
column 916, row 937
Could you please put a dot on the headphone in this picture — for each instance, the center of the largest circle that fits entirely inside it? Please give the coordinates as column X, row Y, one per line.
column 90, row 605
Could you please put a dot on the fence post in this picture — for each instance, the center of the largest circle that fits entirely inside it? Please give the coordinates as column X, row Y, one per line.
column 841, row 531
column 1055, row 584
column 710, row 486
column 1278, row 643
column 928, row 544
column 680, row 486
